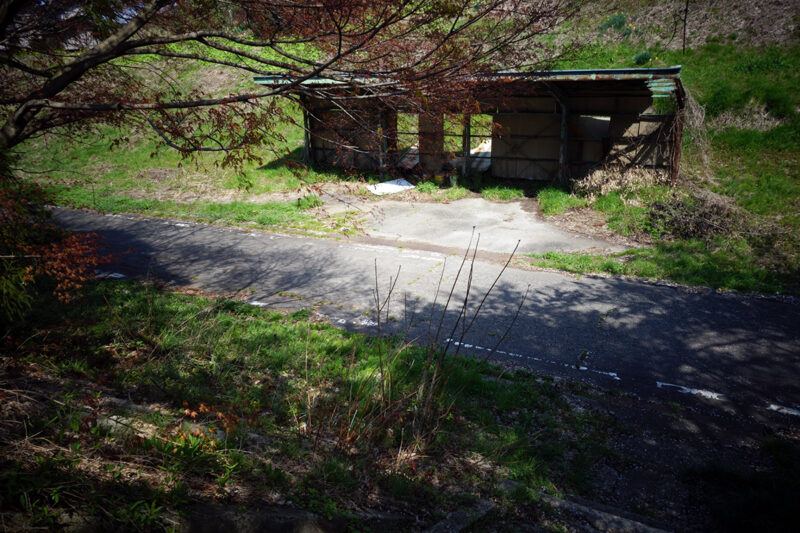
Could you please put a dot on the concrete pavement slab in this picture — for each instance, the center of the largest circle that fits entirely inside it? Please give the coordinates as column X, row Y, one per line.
column 500, row 225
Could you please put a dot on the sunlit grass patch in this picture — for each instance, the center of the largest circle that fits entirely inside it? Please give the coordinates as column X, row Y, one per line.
column 502, row 193
column 720, row 264
column 427, row 187
column 444, row 192
column 291, row 214
column 553, row 201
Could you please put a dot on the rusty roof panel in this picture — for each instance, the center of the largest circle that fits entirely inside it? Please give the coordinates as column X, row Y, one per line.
column 659, row 82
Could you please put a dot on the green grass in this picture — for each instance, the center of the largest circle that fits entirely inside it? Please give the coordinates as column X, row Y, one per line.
column 502, row 193
column 105, row 158
column 761, row 171
column 491, row 189
column 308, row 202
column 753, row 259
column 721, row 264
column 242, row 371
column 427, row 187
column 287, row 214
column 453, row 193
column 442, row 193
column 553, row 201
column 628, row 213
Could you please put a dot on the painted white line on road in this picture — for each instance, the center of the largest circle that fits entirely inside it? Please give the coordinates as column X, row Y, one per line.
column 361, row 321
column 476, row 347
column 688, row 390
column 176, row 224
column 332, row 319
column 612, row 375
column 258, row 304
column 783, row 410
column 609, row 374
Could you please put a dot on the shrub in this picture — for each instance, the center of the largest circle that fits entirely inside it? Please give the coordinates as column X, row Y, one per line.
column 32, row 246
column 643, row 57
column 694, row 217
column 617, row 21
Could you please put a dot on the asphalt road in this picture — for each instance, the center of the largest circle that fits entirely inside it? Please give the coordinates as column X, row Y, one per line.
column 730, row 354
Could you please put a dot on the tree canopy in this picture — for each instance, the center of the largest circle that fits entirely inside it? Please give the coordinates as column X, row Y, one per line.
column 67, row 63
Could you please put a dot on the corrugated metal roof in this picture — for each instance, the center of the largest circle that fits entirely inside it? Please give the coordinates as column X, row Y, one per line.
column 660, row 81
column 594, row 74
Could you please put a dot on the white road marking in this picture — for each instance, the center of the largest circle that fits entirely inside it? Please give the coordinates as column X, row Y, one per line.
column 612, row 375
column 783, row 410
column 609, row 374
column 688, row 390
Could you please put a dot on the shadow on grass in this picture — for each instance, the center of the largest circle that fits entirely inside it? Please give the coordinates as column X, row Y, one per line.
column 53, row 494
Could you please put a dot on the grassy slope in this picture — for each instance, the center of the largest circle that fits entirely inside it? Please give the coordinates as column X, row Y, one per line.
column 259, row 379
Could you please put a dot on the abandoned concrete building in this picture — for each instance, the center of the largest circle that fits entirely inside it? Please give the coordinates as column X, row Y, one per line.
column 545, row 125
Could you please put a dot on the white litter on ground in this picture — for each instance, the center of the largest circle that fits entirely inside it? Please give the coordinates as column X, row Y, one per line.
column 389, row 187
